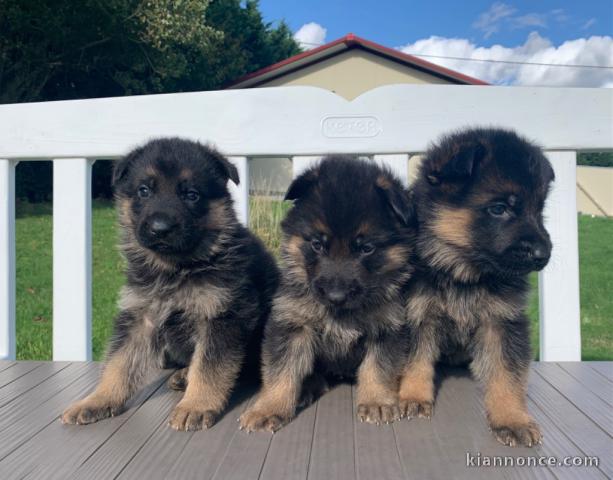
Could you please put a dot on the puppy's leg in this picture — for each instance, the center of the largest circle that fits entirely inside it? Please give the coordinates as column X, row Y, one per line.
column 416, row 395
column 126, row 366
column 288, row 354
column 501, row 362
column 377, row 386
column 211, row 375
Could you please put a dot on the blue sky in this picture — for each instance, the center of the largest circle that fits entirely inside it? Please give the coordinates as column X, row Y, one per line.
column 577, row 32
column 394, row 22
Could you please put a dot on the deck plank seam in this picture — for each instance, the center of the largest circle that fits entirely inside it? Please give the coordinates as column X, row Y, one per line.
column 586, row 414
column 162, row 383
column 35, row 385
column 579, row 380
column 312, row 438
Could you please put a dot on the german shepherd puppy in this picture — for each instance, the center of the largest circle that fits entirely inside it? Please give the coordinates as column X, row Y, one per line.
column 346, row 247
column 199, row 285
column 479, row 198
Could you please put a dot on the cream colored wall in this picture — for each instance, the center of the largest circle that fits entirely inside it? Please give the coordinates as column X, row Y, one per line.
column 352, row 73
column 595, row 190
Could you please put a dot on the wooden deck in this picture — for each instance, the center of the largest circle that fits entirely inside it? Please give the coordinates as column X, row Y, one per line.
column 572, row 402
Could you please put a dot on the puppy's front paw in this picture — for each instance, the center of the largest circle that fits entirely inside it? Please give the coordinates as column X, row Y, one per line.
column 524, row 434
column 254, row 420
column 416, row 409
column 190, row 418
column 377, row 413
column 178, row 380
column 86, row 411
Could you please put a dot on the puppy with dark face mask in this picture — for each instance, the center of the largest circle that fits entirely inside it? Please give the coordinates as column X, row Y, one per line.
column 480, row 195
column 347, row 245
column 199, row 285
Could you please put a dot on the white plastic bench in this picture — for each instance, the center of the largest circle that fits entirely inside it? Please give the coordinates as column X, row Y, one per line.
column 301, row 122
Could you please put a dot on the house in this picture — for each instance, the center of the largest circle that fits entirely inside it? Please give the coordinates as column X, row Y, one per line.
column 348, row 66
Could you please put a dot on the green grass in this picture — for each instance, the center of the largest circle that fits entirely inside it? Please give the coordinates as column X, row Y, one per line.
column 34, row 277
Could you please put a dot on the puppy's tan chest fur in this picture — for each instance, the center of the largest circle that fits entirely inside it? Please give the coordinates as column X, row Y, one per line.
column 155, row 304
column 468, row 308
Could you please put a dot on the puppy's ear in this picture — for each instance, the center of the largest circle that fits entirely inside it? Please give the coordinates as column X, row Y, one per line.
column 302, row 184
column 122, row 167
column 399, row 199
column 461, row 165
column 227, row 167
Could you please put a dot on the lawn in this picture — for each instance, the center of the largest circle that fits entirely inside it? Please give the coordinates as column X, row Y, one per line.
column 34, row 286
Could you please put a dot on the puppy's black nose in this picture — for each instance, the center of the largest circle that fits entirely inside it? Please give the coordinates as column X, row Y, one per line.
column 336, row 296
column 540, row 253
column 160, row 227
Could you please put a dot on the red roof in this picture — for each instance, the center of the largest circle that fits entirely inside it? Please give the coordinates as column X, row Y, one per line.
column 345, row 43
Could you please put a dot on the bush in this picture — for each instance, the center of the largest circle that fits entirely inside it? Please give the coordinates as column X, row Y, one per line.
column 595, row 159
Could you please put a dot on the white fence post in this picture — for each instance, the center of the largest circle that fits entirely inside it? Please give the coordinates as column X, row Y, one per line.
column 560, row 315
column 240, row 192
column 398, row 164
column 7, row 259
column 301, row 163
column 72, row 259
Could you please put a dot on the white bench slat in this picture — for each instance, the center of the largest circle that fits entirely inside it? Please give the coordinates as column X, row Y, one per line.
column 7, row 259
column 306, row 120
column 72, row 260
column 560, row 315
column 240, row 192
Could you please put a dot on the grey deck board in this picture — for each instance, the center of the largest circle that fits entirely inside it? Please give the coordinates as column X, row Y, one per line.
column 30, row 380
column 332, row 449
column 290, row 448
column 587, row 435
column 57, row 450
column 4, row 364
column 186, row 454
column 111, row 458
column 376, row 454
column 591, row 379
column 13, row 373
column 571, row 402
column 604, row 368
column 584, row 399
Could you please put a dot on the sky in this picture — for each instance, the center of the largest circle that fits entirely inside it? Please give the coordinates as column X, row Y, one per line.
column 571, row 32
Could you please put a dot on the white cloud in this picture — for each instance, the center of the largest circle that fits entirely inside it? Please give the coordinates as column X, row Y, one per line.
column 588, row 24
column 310, row 35
column 594, row 50
column 489, row 21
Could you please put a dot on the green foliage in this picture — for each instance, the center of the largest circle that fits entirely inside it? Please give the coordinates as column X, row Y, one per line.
column 596, row 159
column 63, row 49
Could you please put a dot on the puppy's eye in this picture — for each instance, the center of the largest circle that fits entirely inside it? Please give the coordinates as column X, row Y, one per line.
column 192, row 195
column 317, row 246
column 143, row 191
column 497, row 210
column 367, row 248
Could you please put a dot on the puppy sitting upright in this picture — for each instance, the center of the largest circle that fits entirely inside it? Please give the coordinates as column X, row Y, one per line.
column 199, row 285
column 346, row 250
column 480, row 195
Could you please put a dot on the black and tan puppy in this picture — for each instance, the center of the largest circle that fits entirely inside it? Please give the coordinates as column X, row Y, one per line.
column 199, row 285
column 346, row 250
column 480, row 195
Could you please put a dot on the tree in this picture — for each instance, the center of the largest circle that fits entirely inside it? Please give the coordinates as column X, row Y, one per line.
column 67, row 49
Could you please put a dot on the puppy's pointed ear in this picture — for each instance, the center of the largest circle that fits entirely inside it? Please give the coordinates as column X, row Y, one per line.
column 227, row 167
column 302, row 184
column 399, row 199
column 461, row 165
column 121, row 167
